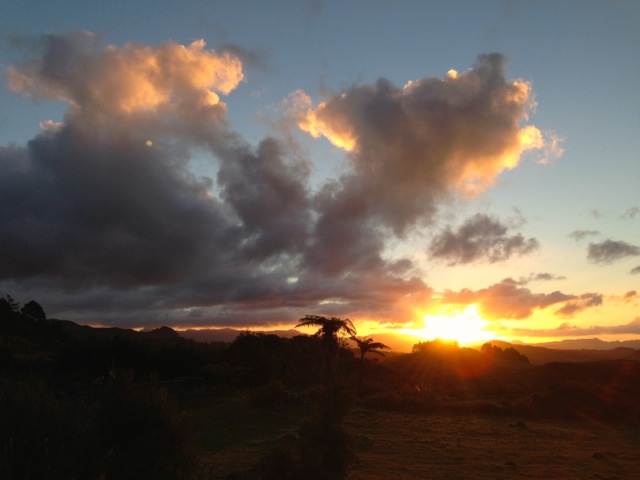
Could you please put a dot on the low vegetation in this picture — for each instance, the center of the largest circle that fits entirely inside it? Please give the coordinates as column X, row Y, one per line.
column 81, row 402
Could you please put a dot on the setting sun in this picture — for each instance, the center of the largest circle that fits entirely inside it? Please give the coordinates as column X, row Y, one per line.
column 463, row 326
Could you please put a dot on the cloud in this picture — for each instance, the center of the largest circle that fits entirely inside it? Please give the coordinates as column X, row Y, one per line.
column 635, row 270
column 609, row 251
column 508, row 300
column 565, row 330
column 579, row 235
column 108, row 195
column 546, row 277
column 480, row 238
column 127, row 80
column 412, row 147
column 258, row 59
column 105, row 218
column 581, row 303
column 631, row 213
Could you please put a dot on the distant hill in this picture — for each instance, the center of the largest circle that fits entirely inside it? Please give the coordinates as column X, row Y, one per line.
column 207, row 335
column 398, row 342
column 575, row 350
column 161, row 335
column 589, row 344
column 538, row 355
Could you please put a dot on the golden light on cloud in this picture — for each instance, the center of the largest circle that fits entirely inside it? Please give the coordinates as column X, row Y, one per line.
column 132, row 78
column 530, row 138
column 318, row 122
column 464, row 326
column 456, row 133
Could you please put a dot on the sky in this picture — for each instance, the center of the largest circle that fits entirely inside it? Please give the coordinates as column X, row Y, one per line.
column 454, row 169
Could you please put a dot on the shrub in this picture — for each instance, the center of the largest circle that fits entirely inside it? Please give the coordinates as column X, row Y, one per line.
column 326, row 450
column 38, row 433
column 138, row 432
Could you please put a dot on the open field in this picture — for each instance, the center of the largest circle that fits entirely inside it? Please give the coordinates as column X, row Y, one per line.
column 233, row 435
column 403, row 446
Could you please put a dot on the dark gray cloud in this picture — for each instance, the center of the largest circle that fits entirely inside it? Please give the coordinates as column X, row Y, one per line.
column 609, row 251
column 509, row 300
column 105, row 220
column 479, row 238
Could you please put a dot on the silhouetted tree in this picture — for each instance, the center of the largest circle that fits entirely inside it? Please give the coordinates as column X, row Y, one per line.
column 510, row 354
column 330, row 330
column 8, row 306
column 367, row 346
column 34, row 310
column 435, row 346
column 325, row 445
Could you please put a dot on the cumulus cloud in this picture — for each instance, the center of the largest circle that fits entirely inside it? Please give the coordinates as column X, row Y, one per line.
column 411, row 146
column 106, row 220
column 609, row 251
column 108, row 196
column 106, row 207
column 128, row 79
column 509, row 300
column 479, row 238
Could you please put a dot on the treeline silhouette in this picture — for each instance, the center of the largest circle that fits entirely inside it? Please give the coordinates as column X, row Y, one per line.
column 105, row 403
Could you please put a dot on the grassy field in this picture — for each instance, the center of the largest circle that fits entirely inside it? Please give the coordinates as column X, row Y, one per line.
column 408, row 446
column 233, row 435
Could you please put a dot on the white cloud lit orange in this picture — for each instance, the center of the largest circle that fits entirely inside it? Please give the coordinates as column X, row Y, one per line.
column 314, row 122
column 463, row 129
column 132, row 78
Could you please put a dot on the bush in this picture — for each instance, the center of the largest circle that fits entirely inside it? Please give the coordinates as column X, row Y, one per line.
column 326, row 451
column 138, row 432
column 123, row 431
column 38, row 434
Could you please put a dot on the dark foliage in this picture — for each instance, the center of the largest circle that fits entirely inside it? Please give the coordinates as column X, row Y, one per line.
column 137, row 431
column 326, row 450
column 79, row 402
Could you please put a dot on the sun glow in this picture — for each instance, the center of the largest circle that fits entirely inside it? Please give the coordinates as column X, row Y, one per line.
column 463, row 326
